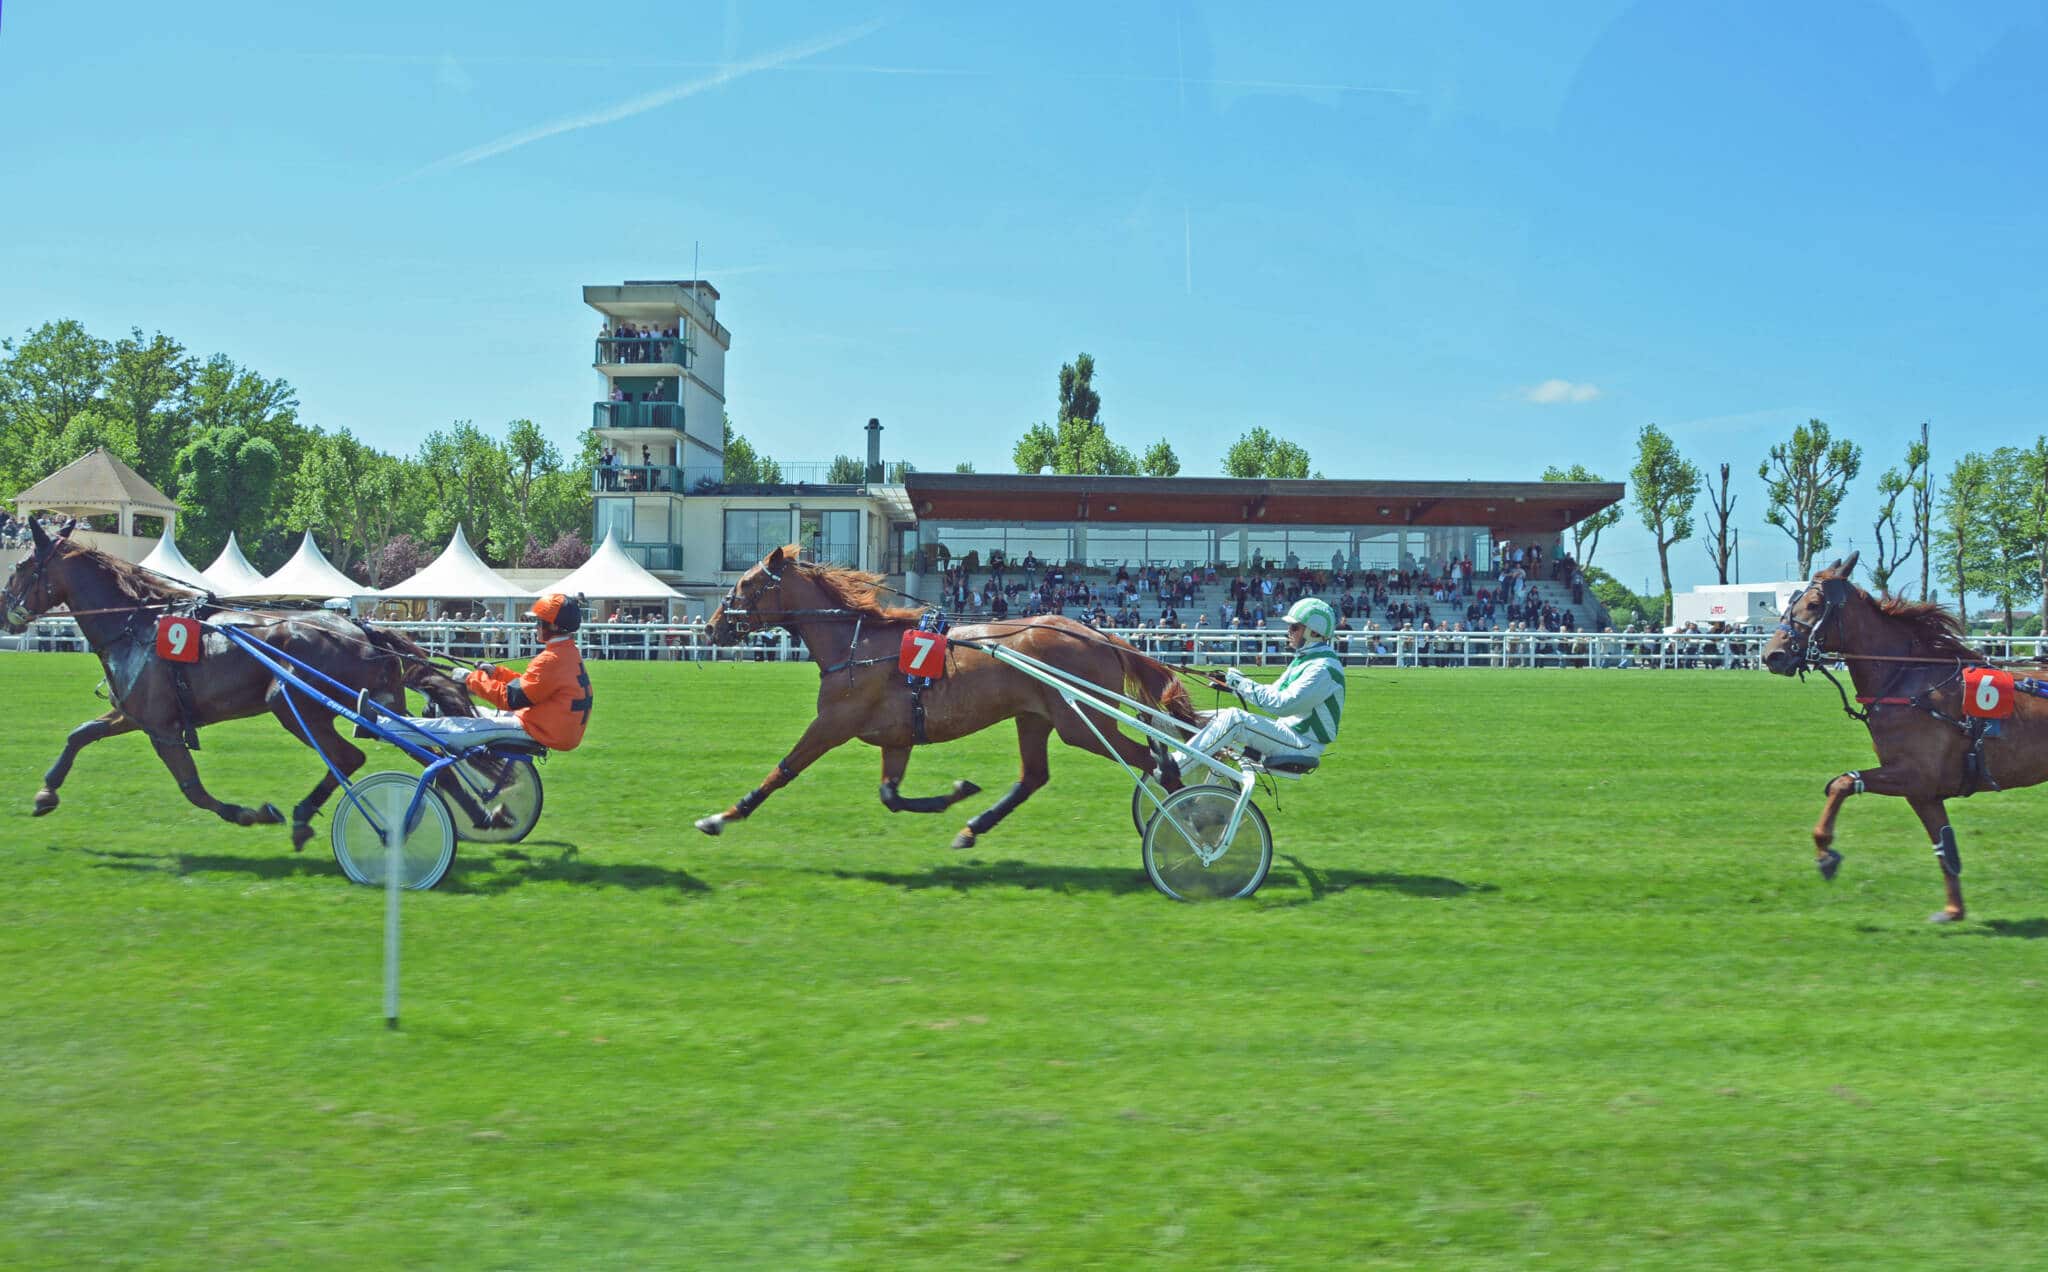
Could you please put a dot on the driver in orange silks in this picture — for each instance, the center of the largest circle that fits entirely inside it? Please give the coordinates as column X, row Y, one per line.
column 549, row 703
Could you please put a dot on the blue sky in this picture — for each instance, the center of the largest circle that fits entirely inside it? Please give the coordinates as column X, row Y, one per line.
column 1379, row 229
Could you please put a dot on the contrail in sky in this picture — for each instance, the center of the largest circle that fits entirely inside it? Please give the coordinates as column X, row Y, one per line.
column 649, row 101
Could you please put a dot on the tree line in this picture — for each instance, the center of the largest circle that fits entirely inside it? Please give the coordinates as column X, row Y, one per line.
column 1982, row 531
column 227, row 444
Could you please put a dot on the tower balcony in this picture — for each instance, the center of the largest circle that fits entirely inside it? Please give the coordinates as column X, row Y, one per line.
column 659, row 354
column 636, row 479
column 662, row 415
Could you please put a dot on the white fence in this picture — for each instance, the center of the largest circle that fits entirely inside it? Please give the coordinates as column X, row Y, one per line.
column 1201, row 646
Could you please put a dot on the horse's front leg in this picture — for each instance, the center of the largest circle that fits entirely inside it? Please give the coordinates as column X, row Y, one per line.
column 818, row 739
column 112, row 724
column 1934, row 816
column 1885, row 779
column 179, row 761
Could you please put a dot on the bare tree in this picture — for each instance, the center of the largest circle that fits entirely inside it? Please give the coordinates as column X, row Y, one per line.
column 1923, row 511
column 1894, row 544
column 1720, row 507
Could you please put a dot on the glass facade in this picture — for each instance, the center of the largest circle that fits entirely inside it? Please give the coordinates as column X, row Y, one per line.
column 830, row 535
column 752, row 533
column 1231, row 547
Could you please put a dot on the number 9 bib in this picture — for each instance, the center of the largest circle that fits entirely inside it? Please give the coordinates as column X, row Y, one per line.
column 177, row 639
column 923, row 654
column 1987, row 693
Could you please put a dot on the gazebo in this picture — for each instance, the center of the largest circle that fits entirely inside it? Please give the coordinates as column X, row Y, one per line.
column 98, row 484
column 166, row 560
column 458, row 574
column 307, row 576
column 231, row 576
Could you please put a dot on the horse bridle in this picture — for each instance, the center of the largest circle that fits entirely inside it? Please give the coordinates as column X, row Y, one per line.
column 744, row 622
column 14, row 608
column 1834, row 595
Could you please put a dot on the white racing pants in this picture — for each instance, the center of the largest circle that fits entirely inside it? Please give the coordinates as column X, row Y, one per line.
column 1234, row 728
column 458, row 732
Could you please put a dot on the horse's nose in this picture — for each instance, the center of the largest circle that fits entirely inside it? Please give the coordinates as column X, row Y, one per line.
column 1779, row 662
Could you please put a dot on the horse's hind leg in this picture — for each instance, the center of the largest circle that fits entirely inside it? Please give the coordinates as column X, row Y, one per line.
column 1934, row 816
column 895, row 760
column 321, row 735
column 179, row 761
column 818, row 739
column 112, row 724
column 1032, row 732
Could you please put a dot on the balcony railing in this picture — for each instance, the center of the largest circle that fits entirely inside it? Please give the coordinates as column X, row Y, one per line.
column 668, row 415
column 637, row 479
column 635, row 350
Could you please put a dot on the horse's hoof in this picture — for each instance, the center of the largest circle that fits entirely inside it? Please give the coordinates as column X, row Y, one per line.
column 1945, row 916
column 268, row 815
column 1829, row 862
column 46, row 801
column 302, row 833
column 963, row 840
column 711, row 825
column 964, row 789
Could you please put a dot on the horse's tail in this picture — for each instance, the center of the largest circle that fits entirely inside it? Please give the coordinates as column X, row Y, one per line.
column 1154, row 683
column 440, row 688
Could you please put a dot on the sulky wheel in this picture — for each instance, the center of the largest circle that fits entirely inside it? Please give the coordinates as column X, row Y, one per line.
column 378, row 802
column 1191, row 853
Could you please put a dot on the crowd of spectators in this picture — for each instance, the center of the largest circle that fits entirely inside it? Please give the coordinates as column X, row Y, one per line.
column 633, row 342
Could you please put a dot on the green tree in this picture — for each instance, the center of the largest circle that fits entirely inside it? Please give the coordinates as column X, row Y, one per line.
column 2012, row 562
column 964, row 466
column 1623, row 605
column 1895, row 543
column 1160, row 461
column 466, row 480
column 1965, row 541
column 1260, row 454
column 50, row 378
column 1586, row 530
column 229, row 477
column 1037, row 450
column 530, row 457
column 1804, row 483
column 149, row 381
column 744, row 466
column 1078, row 447
column 1665, row 485
column 1078, row 398
column 351, row 496
column 846, row 471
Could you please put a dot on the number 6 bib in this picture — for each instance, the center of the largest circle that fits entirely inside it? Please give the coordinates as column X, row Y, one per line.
column 1987, row 693
column 923, row 654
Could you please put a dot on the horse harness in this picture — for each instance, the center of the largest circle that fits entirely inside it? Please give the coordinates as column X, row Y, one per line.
column 744, row 624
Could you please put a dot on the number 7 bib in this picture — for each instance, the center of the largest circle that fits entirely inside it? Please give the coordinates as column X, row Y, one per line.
column 923, row 654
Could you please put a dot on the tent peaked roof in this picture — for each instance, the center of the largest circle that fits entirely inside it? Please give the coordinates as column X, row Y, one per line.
column 310, row 575
column 96, row 479
column 458, row 574
column 166, row 560
column 231, row 575
column 611, row 575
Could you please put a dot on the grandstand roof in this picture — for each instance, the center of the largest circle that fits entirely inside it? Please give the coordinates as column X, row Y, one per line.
column 1501, row 505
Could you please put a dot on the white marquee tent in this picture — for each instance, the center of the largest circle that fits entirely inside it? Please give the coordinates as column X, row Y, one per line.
column 231, row 576
column 166, row 560
column 611, row 575
column 307, row 576
column 458, row 574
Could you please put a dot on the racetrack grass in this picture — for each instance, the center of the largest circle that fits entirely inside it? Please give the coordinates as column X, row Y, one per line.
column 1544, row 976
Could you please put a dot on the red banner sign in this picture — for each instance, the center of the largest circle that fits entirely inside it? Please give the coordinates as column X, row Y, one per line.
column 177, row 639
column 1988, row 693
column 923, row 654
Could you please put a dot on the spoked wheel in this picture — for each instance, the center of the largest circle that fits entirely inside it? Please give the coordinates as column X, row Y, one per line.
column 1191, row 854
column 1143, row 810
column 377, row 802
column 505, row 789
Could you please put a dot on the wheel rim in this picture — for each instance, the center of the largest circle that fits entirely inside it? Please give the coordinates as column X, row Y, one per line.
column 1143, row 809
column 377, row 801
column 1192, row 854
column 516, row 789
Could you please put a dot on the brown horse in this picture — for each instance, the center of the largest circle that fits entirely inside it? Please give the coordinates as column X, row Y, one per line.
column 855, row 640
column 117, row 605
column 1907, row 662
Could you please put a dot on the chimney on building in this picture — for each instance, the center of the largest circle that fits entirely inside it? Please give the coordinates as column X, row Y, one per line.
column 874, row 452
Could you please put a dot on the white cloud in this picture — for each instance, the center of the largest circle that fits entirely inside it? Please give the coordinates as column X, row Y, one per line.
column 1552, row 392
column 646, row 102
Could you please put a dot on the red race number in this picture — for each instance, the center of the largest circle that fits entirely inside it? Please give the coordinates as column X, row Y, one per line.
column 923, row 654
column 1988, row 693
column 177, row 639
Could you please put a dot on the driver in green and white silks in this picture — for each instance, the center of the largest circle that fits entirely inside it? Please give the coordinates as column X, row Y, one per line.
column 1308, row 699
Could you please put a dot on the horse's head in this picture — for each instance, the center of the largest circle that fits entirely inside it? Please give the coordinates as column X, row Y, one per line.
column 36, row 587
column 756, row 601
column 1812, row 620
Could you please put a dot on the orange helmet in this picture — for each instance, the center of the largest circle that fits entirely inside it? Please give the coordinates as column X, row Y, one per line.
column 558, row 611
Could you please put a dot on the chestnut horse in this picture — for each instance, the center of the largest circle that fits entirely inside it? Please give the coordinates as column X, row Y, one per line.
column 1907, row 662
column 861, row 694
column 117, row 605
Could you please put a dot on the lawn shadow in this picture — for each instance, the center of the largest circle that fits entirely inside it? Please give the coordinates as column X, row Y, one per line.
column 1117, row 880
column 2022, row 929
column 310, row 865
column 1329, row 883
column 478, row 870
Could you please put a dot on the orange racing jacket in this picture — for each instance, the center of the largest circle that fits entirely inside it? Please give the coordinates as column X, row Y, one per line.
column 551, row 700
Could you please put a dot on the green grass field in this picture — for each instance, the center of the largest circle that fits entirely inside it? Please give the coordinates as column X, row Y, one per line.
column 1543, row 977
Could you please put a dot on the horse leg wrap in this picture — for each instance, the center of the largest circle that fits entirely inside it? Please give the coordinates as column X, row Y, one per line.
column 927, row 804
column 1855, row 779
column 986, row 820
column 303, row 812
column 749, row 802
column 1946, row 852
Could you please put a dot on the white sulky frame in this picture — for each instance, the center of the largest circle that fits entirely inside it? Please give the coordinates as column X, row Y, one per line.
column 1075, row 690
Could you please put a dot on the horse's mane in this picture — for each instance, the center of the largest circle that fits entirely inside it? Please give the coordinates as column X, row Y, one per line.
column 1935, row 630
column 132, row 581
column 852, row 589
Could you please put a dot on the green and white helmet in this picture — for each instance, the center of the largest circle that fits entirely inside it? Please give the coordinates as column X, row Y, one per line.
column 1314, row 614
